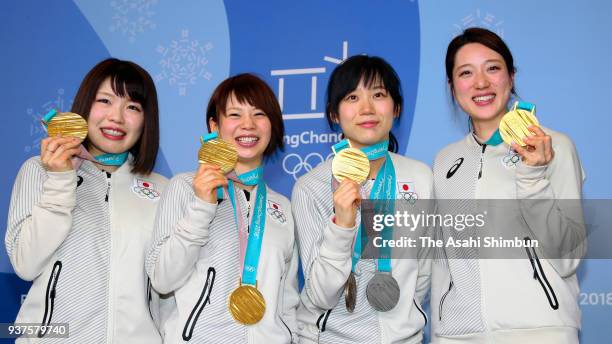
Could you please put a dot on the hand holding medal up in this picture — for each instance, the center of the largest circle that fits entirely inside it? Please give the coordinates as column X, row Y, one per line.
column 382, row 290
column 350, row 168
column 66, row 131
column 217, row 158
column 520, row 129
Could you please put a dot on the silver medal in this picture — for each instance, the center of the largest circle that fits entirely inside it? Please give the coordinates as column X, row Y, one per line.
column 383, row 292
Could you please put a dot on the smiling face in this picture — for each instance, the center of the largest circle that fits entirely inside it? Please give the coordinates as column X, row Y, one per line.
column 366, row 114
column 245, row 127
column 481, row 82
column 114, row 123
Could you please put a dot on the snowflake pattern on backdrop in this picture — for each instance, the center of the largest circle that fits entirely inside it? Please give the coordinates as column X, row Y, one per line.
column 184, row 62
column 37, row 132
column 132, row 17
column 479, row 18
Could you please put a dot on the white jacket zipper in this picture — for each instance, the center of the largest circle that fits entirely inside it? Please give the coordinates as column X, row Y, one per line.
column 482, row 153
column 110, row 317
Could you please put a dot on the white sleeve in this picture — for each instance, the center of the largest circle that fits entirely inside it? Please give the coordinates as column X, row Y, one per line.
column 180, row 232
column 425, row 255
column 40, row 217
column 291, row 296
column 550, row 204
column 325, row 250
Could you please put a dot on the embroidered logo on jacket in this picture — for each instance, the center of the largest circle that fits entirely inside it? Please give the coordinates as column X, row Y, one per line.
column 145, row 189
column 511, row 159
column 79, row 181
column 454, row 168
column 276, row 212
column 407, row 191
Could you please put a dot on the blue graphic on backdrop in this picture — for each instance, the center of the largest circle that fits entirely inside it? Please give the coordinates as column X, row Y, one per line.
column 295, row 46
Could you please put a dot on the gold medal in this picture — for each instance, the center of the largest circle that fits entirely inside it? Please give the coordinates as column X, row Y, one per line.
column 514, row 124
column 350, row 293
column 247, row 305
column 220, row 153
column 67, row 124
column 351, row 163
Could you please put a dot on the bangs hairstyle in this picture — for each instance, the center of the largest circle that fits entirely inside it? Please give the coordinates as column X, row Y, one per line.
column 482, row 36
column 372, row 70
column 129, row 80
column 249, row 89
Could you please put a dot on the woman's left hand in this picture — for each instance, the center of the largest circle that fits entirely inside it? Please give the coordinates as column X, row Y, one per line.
column 539, row 151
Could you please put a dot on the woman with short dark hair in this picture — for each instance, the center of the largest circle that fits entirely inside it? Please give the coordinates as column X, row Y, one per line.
column 224, row 242
column 81, row 215
column 348, row 297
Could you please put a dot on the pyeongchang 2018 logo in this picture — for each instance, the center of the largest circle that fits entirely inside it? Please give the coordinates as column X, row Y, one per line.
column 282, row 74
column 298, row 163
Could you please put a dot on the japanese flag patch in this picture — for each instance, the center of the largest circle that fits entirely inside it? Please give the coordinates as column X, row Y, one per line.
column 145, row 189
column 276, row 212
column 407, row 191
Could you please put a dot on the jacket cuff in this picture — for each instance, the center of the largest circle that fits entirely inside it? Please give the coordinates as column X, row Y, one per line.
column 338, row 241
column 528, row 173
column 59, row 189
column 199, row 216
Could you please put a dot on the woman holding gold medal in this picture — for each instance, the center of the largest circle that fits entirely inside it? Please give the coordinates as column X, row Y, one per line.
column 347, row 299
column 533, row 297
column 224, row 241
column 81, row 216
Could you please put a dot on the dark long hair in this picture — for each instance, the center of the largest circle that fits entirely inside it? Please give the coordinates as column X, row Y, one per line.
column 127, row 79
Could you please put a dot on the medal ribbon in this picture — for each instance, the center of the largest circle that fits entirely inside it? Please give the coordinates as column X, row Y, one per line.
column 107, row 159
column 111, row 159
column 525, row 106
column 383, row 189
column 250, row 243
column 252, row 177
column 495, row 139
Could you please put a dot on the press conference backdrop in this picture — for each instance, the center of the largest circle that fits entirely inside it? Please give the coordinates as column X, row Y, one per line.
column 562, row 50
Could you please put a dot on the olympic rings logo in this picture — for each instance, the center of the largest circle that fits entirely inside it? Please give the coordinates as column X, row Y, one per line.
column 294, row 165
column 411, row 197
column 146, row 192
column 277, row 215
column 511, row 159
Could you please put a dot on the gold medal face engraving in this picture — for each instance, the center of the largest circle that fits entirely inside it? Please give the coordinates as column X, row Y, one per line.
column 67, row 124
column 514, row 124
column 220, row 153
column 351, row 163
column 247, row 305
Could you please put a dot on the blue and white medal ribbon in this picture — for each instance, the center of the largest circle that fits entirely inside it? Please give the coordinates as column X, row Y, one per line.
column 382, row 291
column 384, row 188
column 110, row 159
column 247, row 304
